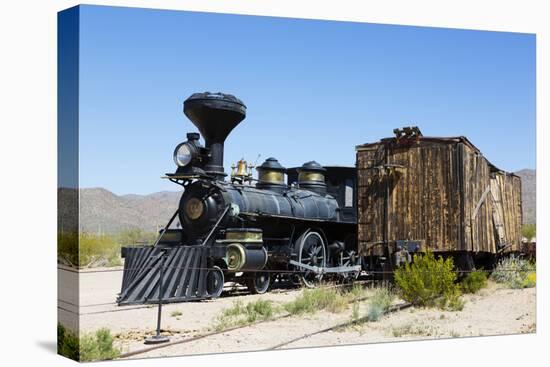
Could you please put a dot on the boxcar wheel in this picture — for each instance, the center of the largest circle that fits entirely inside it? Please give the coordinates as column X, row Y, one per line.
column 350, row 258
column 259, row 282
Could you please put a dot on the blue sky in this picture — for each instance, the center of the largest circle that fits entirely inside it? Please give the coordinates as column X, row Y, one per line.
column 314, row 89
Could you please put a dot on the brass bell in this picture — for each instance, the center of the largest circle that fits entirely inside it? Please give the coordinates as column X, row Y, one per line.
column 241, row 169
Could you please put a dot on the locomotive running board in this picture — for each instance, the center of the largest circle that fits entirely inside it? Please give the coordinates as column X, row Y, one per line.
column 184, row 277
column 324, row 270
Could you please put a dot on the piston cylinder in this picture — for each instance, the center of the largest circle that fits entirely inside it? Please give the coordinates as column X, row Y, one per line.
column 245, row 249
column 241, row 258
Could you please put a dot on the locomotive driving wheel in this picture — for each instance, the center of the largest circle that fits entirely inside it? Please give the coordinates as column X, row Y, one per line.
column 312, row 252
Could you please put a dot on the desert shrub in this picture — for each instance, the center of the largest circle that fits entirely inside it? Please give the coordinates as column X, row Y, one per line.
column 515, row 272
column 529, row 231
column 455, row 303
column 67, row 248
column 87, row 250
column 98, row 346
column 530, row 280
column 67, row 343
column 90, row 347
column 428, row 281
column 98, row 250
column 374, row 313
column 474, row 281
column 379, row 304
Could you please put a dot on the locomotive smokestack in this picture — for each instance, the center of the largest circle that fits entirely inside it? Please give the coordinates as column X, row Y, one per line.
column 215, row 115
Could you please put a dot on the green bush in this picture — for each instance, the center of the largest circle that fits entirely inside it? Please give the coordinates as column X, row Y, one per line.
column 98, row 346
column 529, row 231
column 474, row 281
column 530, row 280
column 515, row 272
column 90, row 347
column 67, row 248
column 67, row 343
column 455, row 304
column 428, row 281
column 88, row 249
column 98, row 250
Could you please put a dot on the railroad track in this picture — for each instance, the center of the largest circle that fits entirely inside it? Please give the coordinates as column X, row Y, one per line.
column 197, row 337
column 338, row 326
column 280, row 317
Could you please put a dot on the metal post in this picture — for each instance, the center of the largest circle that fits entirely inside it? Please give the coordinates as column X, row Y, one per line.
column 157, row 339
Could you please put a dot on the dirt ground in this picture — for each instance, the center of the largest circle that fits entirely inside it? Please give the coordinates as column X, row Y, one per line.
column 493, row 311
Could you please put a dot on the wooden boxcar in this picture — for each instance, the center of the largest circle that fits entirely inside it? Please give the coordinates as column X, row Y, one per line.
column 440, row 194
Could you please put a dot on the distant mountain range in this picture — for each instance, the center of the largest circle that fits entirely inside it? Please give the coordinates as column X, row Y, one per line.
column 528, row 194
column 101, row 211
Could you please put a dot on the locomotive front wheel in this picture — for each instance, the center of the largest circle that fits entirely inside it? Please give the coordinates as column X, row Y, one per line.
column 214, row 282
column 258, row 282
column 312, row 252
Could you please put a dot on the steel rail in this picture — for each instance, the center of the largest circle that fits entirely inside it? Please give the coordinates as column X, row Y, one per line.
column 213, row 333
column 340, row 325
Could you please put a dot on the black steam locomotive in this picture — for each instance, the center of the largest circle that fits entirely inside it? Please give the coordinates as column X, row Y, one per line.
column 243, row 229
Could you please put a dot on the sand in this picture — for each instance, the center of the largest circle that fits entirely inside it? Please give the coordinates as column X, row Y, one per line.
column 493, row 311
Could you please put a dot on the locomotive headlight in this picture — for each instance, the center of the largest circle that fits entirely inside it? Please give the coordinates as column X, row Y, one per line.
column 183, row 154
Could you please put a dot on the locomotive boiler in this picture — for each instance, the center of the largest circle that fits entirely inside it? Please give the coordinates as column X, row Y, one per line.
column 242, row 229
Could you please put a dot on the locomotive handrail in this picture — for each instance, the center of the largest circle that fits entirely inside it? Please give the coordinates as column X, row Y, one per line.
column 227, row 207
column 165, row 228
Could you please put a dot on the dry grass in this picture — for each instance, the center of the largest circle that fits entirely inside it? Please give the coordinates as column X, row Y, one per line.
column 329, row 299
column 241, row 314
column 418, row 330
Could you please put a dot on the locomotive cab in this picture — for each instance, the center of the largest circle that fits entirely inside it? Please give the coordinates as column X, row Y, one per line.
column 340, row 183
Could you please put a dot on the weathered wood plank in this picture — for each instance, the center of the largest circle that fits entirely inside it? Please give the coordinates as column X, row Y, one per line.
column 434, row 199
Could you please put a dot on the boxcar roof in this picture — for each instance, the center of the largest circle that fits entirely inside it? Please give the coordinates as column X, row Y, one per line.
column 435, row 139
